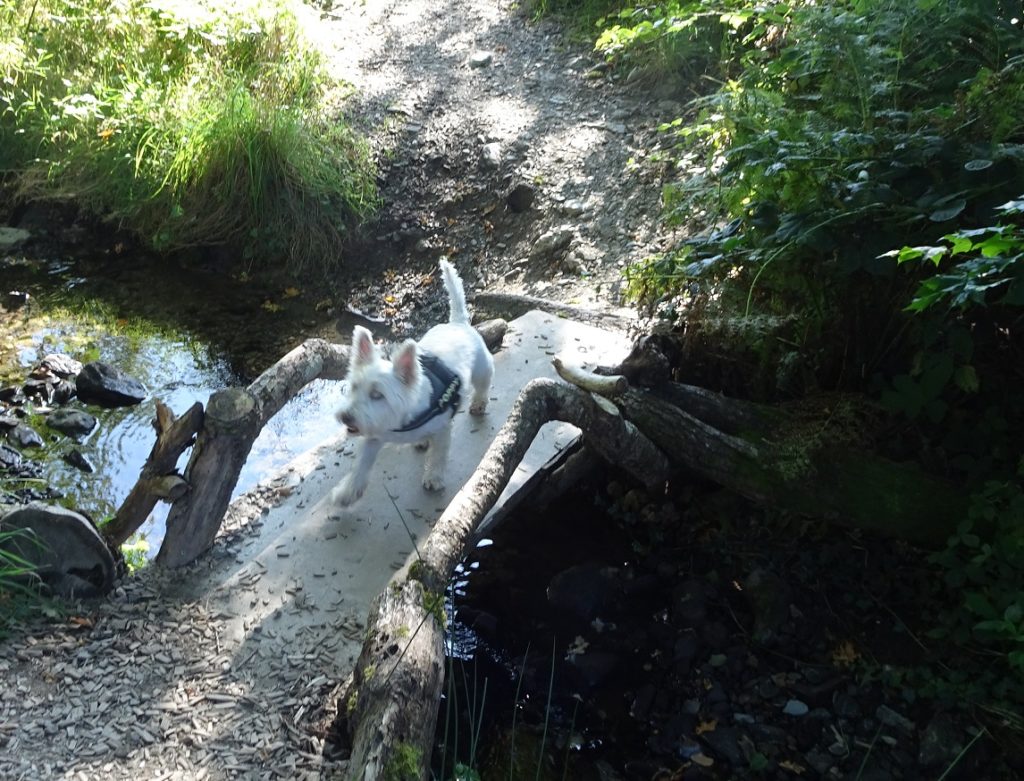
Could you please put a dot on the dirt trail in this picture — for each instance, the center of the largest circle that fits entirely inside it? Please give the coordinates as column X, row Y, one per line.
column 467, row 103
column 462, row 102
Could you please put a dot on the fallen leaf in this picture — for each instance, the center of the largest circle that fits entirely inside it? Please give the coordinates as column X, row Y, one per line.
column 291, row 292
column 793, row 767
column 845, row 655
column 707, row 726
column 270, row 306
column 323, row 305
column 81, row 621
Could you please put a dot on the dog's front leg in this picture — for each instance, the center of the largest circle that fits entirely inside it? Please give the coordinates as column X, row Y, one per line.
column 354, row 483
column 437, row 459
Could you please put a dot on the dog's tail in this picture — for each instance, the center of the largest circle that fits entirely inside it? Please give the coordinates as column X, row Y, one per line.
column 456, row 293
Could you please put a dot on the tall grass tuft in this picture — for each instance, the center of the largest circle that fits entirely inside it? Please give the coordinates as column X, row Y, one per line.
column 19, row 586
column 188, row 123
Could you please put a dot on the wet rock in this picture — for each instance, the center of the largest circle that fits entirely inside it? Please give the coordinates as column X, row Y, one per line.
column 8, row 422
column 940, row 741
column 77, row 459
column 23, row 436
column 38, row 389
column 12, row 395
column 583, row 590
column 521, row 197
column 64, row 366
column 9, row 457
column 483, row 623
column 73, row 422
column 552, row 243
column 108, row 386
column 891, row 718
column 69, row 554
column 63, row 392
column 481, row 59
column 490, row 155
column 16, row 299
column 795, row 708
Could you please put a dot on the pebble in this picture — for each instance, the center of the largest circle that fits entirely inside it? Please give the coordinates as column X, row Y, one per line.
column 481, row 59
column 795, row 708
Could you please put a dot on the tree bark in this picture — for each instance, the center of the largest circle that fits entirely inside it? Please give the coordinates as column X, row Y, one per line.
column 158, row 479
column 234, row 418
column 399, row 673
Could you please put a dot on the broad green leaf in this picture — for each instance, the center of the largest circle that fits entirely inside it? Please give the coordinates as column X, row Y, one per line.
column 948, row 212
column 966, row 379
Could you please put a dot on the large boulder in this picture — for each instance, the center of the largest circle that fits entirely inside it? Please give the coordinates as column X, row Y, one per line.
column 108, row 386
column 67, row 552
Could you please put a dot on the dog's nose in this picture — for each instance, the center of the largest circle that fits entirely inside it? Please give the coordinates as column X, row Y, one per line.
column 346, row 418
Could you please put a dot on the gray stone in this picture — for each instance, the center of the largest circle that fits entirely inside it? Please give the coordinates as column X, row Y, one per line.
column 77, row 459
column 108, row 386
column 23, row 436
column 573, row 207
column 795, row 708
column 63, row 366
column 12, row 237
column 73, row 422
column 940, row 741
column 69, row 554
column 9, row 457
column 552, row 242
column 481, row 59
column 490, row 155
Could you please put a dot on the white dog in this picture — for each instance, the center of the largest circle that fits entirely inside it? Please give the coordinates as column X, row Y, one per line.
column 413, row 397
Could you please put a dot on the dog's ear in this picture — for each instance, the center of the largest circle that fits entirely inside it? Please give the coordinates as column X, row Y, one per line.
column 363, row 348
column 406, row 363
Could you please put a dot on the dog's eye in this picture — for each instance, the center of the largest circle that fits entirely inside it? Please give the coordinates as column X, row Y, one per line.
column 376, row 395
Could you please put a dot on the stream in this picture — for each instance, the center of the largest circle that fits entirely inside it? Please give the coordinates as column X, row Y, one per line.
column 182, row 332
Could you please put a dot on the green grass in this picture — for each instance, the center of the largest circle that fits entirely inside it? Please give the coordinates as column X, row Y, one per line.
column 188, row 123
column 19, row 592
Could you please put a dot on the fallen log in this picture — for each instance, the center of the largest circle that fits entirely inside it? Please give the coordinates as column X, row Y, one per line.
column 158, row 479
column 234, row 418
column 397, row 680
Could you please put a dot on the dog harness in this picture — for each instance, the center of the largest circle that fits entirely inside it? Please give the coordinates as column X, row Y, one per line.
column 444, row 391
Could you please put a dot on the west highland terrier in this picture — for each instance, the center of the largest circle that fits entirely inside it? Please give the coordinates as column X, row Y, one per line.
column 413, row 397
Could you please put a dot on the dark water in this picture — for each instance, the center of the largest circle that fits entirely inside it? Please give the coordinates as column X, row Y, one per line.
column 182, row 334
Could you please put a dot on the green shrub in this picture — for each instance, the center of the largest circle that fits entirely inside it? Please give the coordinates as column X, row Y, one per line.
column 187, row 123
column 850, row 128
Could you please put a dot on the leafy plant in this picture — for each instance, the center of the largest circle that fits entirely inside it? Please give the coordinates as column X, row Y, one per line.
column 19, row 581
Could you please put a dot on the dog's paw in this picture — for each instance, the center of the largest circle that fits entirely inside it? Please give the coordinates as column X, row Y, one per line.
column 433, row 482
column 347, row 492
column 478, row 408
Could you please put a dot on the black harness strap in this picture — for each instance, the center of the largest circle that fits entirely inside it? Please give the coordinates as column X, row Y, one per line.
column 444, row 391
